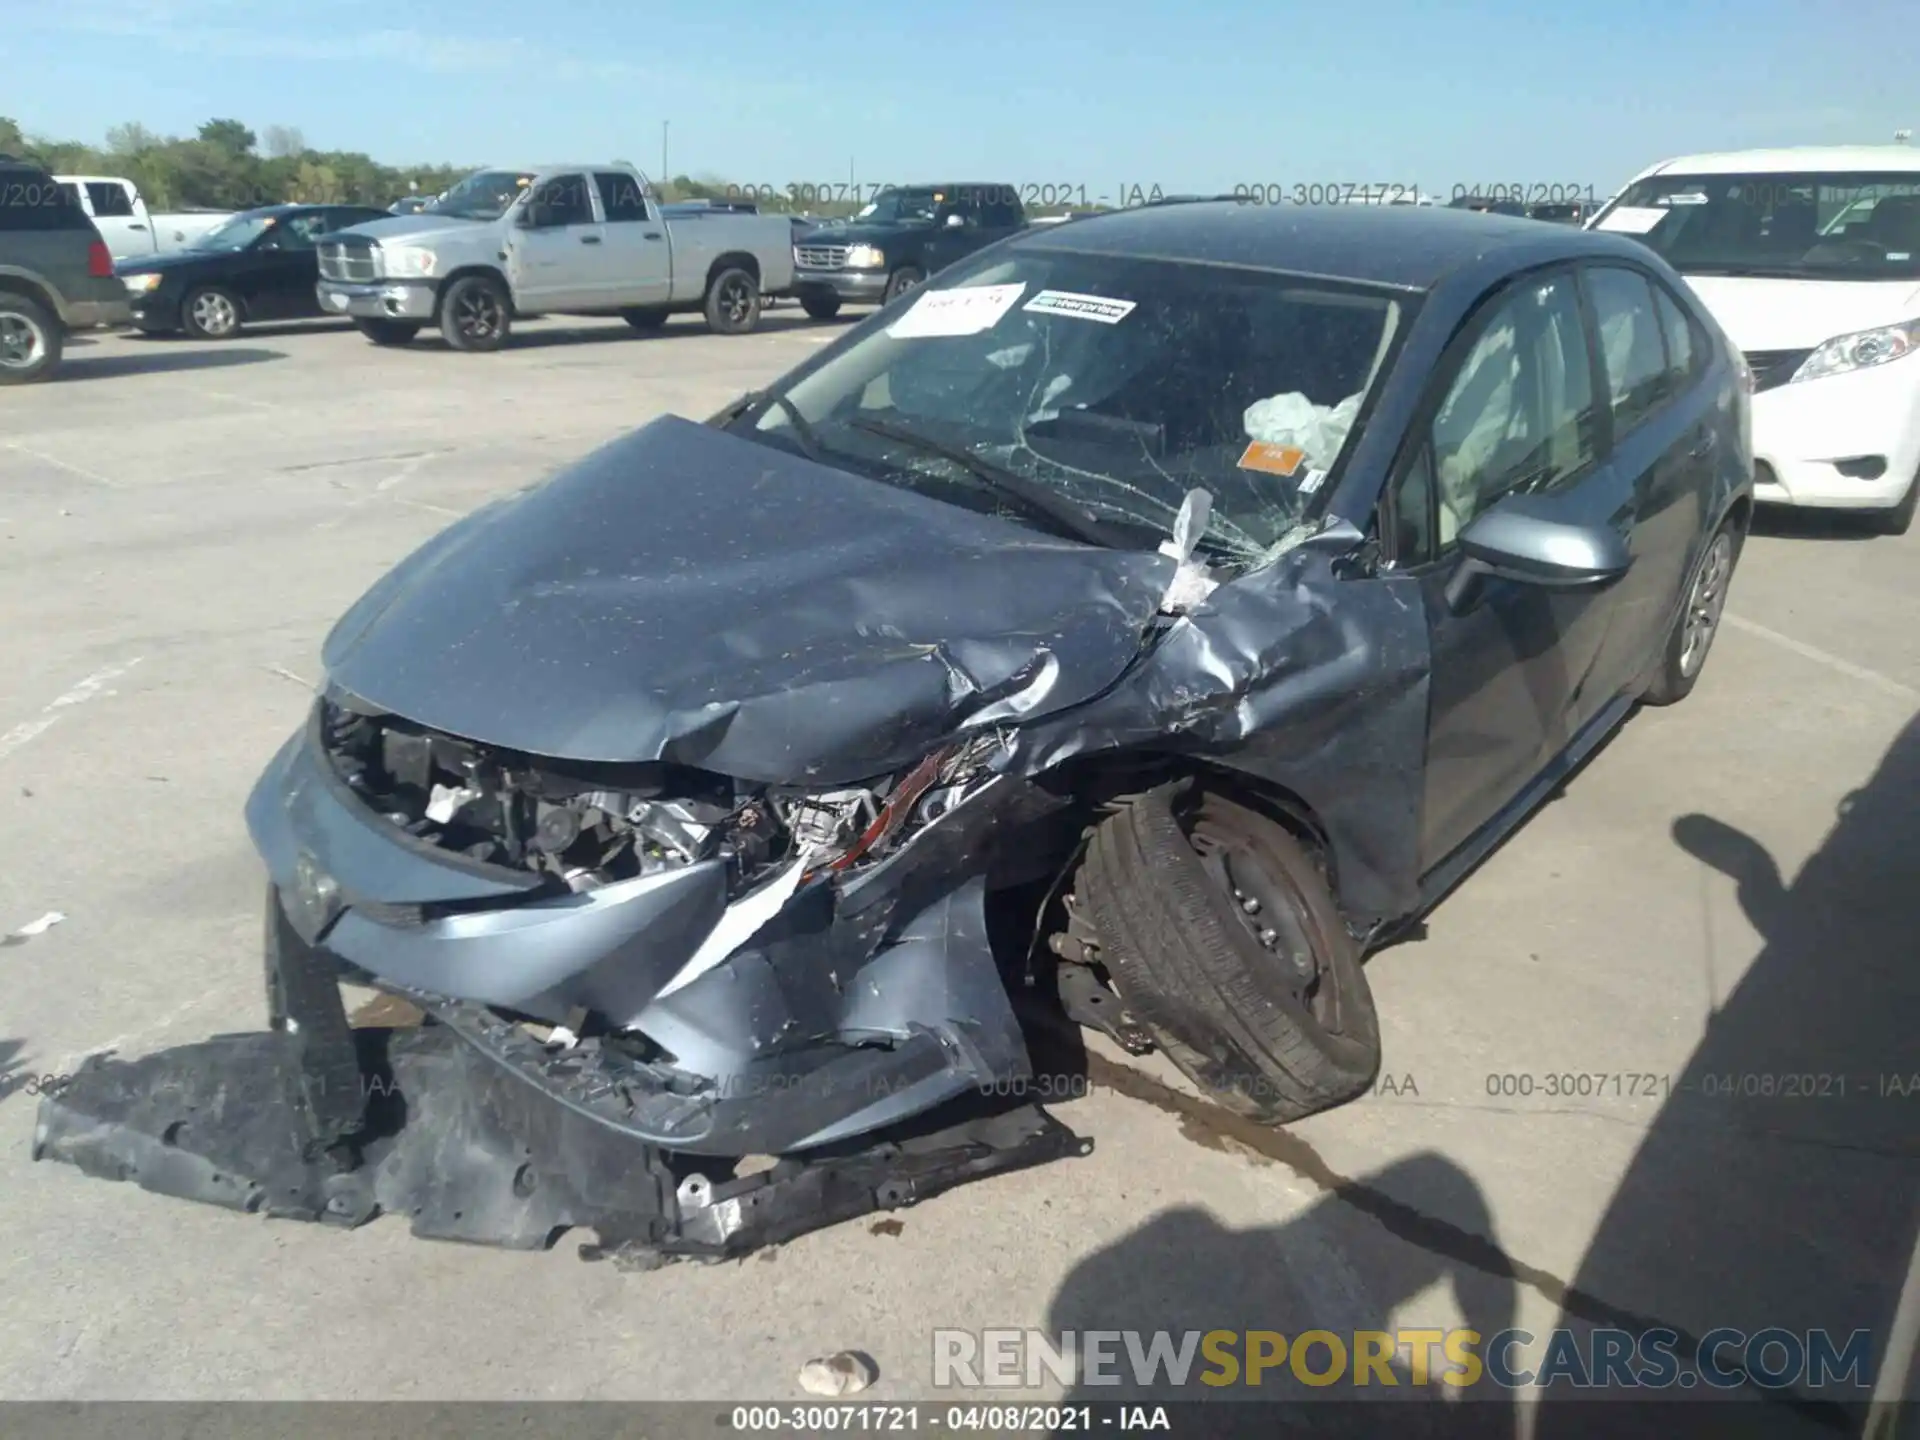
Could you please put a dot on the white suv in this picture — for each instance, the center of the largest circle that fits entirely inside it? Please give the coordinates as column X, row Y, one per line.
column 1810, row 260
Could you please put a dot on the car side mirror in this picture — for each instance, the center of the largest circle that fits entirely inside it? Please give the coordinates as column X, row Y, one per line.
column 956, row 221
column 1519, row 539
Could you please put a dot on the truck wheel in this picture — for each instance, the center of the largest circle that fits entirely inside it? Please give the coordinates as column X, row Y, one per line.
column 388, row 332
column 1899, row 519
column 645, row 318
column 733, row 302
column 475, row 313
column 902, row 280
column 210, row 313
column 30, row 340
column 1220, row 933
column 820, row 307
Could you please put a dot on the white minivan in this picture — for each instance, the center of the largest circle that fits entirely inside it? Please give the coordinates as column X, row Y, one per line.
column 1810, row 260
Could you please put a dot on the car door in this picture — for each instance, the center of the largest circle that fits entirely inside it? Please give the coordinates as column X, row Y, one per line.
column 1514, row 409
column 282, row 268
column 554, row 257
column 958, row 223
column 121, row 225
column 637, row 260
column 1664, row 439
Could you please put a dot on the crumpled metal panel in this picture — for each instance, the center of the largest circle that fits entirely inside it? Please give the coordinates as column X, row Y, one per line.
column 690, row 596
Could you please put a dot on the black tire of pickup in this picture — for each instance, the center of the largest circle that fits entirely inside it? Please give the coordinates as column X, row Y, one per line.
column 646, row 318
column 733, row 302
column 820, row 307
column 388, row 332
column 1222, row 936
column 476, row 313
column 28, row 329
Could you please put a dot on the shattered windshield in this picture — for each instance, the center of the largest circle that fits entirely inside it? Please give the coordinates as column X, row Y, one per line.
column 1837, row 226
column 893, row 207
column 1114, row 384
column 485, row 196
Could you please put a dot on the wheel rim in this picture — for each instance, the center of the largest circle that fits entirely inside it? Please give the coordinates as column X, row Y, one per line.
column 1266, row 907
column 22, row 344
column 214, row 314
column 736, row 300
column 1705, row 601
column 902, row 283
column 477, row 314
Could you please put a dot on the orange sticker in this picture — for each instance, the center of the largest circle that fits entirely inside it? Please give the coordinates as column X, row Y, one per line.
column 1272, row 459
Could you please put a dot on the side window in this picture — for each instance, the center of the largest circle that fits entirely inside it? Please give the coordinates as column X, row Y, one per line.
column 72, row 192
column 1685, row 358
column 298, row 232
column 30, row 200
column 1518, row 414
column 564, row 198
column 110, row 201
column 1630, row 342
column 621, row 196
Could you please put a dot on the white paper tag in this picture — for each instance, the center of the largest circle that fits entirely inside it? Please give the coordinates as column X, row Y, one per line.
column 966, row 311
column 1633, row 219
column 1084, row 307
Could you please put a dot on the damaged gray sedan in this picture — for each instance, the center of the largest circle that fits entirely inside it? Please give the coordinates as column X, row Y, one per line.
column 1141, row 623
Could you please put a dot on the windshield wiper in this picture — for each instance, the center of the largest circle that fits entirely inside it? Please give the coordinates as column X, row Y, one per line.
column 757, row 402
column 1034, row 499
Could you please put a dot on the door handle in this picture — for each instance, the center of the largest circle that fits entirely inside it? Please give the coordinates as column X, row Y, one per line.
column 650, row 235
column 589, row 239
column 136, row 227
column 1704, row 445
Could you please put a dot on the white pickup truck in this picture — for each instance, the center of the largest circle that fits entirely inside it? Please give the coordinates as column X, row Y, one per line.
column 125, row 223
column 551, row 240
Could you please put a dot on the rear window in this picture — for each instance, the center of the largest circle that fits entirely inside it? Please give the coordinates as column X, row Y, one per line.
column 32, row 200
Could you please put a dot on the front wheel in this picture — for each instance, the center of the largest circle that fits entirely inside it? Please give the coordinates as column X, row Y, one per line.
column 1698, row 622
column 476, row 314
column 733, row 302
column 1899, row 519
column 388, row 332
column 820, row 307
column 210, row 313
column 1222, row 936
column 30, row 340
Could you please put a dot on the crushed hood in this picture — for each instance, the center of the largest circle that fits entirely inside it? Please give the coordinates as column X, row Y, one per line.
column 691, row 596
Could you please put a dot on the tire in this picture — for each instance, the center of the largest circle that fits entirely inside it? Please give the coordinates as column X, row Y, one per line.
column 388, row 332
column 476, row 314
column 211, row 312
column 1273, row 1028
column 1694, row 628
column 31, row 340
column 820, row 307
column 645, row 319
column 733, row 302
column 901, row 281
column 1899, row 519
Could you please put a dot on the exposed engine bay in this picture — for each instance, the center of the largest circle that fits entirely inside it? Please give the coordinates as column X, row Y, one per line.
column 581, row 827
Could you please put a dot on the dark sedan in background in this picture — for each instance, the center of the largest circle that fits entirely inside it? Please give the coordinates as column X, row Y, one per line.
column 259, row 265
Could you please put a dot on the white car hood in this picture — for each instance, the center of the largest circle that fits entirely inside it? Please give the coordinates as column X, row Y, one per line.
column 1772, row 314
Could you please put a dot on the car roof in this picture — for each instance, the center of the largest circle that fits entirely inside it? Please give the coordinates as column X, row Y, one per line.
column 1408, row 247
column 1797, row 159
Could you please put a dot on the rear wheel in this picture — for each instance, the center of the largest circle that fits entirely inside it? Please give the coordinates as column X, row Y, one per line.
column 645, row 318
column 1899, row 519
column 30, row 340
column 1698, row 622
column 1221, row 934
column 210, row 313
column 388, row 332
column 476, row 314
column 820, row 307
column 733, row 302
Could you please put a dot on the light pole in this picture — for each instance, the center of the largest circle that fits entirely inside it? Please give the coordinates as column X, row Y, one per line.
column 664, row 125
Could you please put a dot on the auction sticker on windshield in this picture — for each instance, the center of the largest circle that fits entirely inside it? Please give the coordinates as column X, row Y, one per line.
column 965, row 311
column 1271, row 459
column 1085, row 307
column 1633, row 219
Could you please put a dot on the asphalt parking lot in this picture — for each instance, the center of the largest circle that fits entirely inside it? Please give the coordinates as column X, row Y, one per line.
column 1719, row 911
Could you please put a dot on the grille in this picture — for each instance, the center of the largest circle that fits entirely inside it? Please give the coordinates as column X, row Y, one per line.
column 1774, row 367
column 820, row 257
column 348, row 260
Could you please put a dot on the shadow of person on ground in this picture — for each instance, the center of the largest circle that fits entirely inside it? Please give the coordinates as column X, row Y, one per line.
column 1778, row 1184
column 1362, row 1259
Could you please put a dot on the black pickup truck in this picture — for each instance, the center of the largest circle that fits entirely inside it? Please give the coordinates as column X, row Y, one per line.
column 897, row 240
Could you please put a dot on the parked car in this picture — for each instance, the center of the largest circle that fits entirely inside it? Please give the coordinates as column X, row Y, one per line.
column 115, row 205
column 260, row 265
column 898, row 239
column 1561, row 212
column 411, row 204
column 1488, row 205
column 551, row 240
column 56, row 273
column 1810, row 258
column 1244, row 576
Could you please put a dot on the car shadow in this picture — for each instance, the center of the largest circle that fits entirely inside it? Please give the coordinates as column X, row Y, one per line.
column 1784, row 522
column 256, row 330
column 109, row 367
column 559, row 331
column 1778, row 1184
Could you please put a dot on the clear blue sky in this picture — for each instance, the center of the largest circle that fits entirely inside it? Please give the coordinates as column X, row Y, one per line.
column 1196, row 94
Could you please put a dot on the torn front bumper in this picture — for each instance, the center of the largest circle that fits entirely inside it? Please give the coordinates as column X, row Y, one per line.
column 867, row 999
